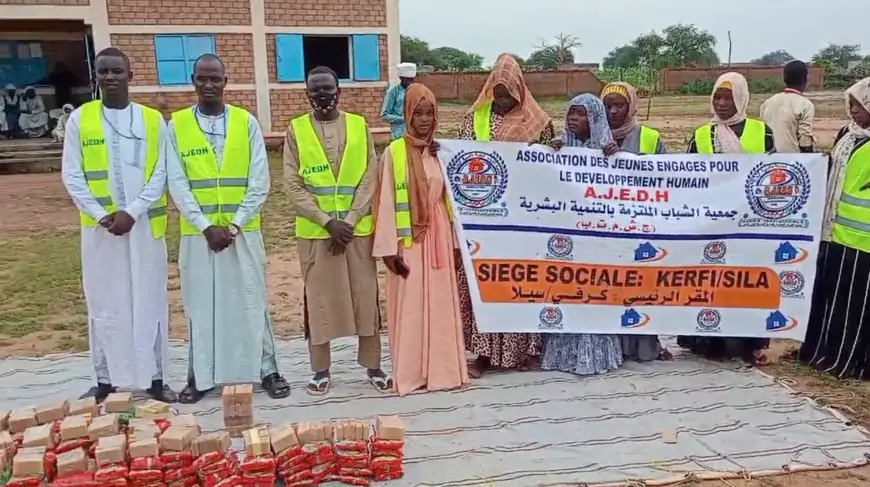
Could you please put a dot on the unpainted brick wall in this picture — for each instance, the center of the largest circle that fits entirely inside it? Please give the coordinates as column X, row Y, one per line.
column 179, row 12
column 287, row 104
column 273, row 59
column 172, row 101
column 674, row 79
column 235, row 49
column 45, row 2
column 467, row 86
column 333, row 13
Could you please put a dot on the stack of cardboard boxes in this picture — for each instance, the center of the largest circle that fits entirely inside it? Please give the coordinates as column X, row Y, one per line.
column 238, row 405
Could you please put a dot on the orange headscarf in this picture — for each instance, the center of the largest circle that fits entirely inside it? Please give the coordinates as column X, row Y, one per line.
column 527, row 120
column 416, row 143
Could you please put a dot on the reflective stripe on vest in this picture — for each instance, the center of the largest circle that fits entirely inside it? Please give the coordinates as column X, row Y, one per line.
column 218, row 190
column 481, row 122
column 649, row 140
column 852, row 224
column 752, row 139
column 399, row 157
column 95, row 162
column 334, row 197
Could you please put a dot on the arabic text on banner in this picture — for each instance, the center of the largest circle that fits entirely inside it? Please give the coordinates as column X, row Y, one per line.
column 678, row 244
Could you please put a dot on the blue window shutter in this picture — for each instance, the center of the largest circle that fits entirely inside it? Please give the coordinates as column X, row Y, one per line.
column 366, row 58
column 290, row 57
column 196, row 46
column 171, row 62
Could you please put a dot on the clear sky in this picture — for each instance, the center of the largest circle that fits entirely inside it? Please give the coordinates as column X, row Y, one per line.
column 489, row 27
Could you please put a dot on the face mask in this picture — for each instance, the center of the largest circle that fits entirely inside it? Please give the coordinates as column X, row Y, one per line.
column 323, row 103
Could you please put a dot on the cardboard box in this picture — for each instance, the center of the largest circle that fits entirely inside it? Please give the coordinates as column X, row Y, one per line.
column 38, row 436
column 4, row 419
column 283, row 437
column 177, row 438
column 3, row 462
column 351, row 430
column 184, row 421
column 143, row 432
column 21, row 419
column 153, row 409
column 213, row 442
column 144, row 448
column 108, row 425
column 257, row 442
column 228, row 396
column 111, row 449
column 313, row 432
column 87, row 405
column 6, row 442
column 73, row 427
column 52, row 412
column 390, row 428
column 119, row 402
column 28, row 462
column 73, row 461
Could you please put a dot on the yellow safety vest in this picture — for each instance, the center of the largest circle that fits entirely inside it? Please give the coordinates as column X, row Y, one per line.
column 649, row 140
column 852, row 224
column 399, row 153
column 95, row 163
column 334, row 197
column 481, row 122
column 218, row 190
column 752, row 139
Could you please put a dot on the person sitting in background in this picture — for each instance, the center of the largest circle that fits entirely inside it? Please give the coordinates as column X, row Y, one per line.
column 62, row 80
column 394, row 102
column 33, row 119
column 620, row 101
column 10, row 105
column 836, row 342
column 60, row 129
column 730, row 132
column 790, row 114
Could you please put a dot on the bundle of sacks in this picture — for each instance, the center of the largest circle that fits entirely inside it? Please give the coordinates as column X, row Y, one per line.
column 388, row 448
column 316, row 456
column 215, row 464
column 176, row 457
column 258, row 467
column 287, row 451
column 352, row 453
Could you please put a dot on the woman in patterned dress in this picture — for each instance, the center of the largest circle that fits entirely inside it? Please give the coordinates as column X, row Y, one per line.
column 504, row 111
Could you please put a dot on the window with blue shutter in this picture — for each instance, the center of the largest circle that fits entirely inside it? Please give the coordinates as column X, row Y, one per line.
column 290, row 57
column 366, row 58
column 176, row 54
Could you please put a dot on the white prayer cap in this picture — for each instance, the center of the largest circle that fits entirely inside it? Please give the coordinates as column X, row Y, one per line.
column 407, row 70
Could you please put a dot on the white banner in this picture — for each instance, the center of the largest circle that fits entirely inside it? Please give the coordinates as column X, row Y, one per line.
column 678, row 244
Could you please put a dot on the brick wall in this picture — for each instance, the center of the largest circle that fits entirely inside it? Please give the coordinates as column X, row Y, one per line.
column 171, row 101
column 287, row 104
column 273, row 68
column 466, row 86
column 674, row 79
column 178, row 12
column 45, row 2
column 235, row 49
column 337, row 13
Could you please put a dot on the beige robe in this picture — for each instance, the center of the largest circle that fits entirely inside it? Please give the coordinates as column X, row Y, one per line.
column 341, row 292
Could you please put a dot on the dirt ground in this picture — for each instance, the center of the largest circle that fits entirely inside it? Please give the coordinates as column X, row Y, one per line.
column 42, row 310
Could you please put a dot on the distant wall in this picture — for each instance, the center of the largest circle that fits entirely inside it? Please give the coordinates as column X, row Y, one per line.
column 674, row 78
column 466, row 86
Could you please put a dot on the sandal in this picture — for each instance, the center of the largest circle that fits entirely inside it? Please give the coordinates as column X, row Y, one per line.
column 318, row 386
column 191, row 395
column 760, row 360
column 478, row 367
column 276, row 386
column 665, row 355
column 383, row 384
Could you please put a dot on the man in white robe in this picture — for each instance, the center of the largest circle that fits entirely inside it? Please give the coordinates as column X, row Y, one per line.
column 33, row 119
column 123, row 214
column 222, row 260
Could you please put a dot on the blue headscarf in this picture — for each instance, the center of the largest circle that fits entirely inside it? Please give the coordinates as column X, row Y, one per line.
column 599, row 128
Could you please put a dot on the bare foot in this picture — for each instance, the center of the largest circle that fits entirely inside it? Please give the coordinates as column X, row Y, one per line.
column 477, row 368
column 665, row 355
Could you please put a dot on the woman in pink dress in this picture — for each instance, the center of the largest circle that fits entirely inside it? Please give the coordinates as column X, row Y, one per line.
column 414, row 236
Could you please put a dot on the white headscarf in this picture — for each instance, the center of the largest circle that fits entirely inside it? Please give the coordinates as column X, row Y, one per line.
column 406, row 70
column 726, row 141
column 841, row 153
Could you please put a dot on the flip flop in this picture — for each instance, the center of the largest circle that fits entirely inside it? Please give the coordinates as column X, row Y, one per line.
column 318, row 387
column 384, row 384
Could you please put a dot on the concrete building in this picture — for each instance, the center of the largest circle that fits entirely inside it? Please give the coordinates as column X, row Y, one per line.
column 268, row 46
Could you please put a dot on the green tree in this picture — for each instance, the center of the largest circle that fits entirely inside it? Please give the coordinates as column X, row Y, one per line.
column 677, row 45
column 838, row 55
column 452, row 59
column 552, row 54
column 414, row 50
column 774, row 58
column 519, row 60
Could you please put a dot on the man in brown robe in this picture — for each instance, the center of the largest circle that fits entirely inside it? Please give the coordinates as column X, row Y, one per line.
column 339, row 273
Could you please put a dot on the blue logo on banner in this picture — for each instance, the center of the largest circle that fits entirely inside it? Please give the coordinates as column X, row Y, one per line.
column 479, row 180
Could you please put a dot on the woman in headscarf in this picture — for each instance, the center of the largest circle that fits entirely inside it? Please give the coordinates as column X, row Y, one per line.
column 33, row 119
column 730, row 132
column 836, row 340
column 10, row 105
column 415, row 238
column 581, row 353
column 60, row 129
column 504, row 111
column 620, row 102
